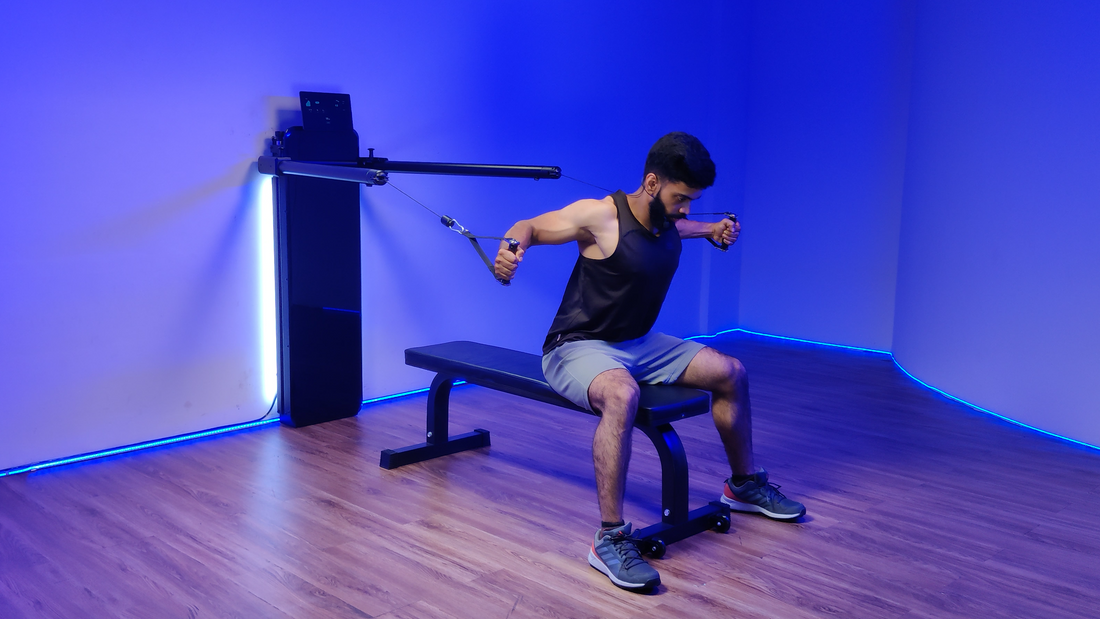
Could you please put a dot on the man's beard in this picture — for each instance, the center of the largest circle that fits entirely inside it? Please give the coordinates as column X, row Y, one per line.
column 658, row 214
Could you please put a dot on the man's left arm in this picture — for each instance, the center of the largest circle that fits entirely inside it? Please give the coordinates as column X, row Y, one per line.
column 724, row 231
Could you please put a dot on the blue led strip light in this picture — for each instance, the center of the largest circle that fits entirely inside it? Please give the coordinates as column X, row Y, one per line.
column 385, row 398
column 179, row 439
column 135, row 447
column 792, row 339
column 989, row 412
column 405, row 394
column 919, row 381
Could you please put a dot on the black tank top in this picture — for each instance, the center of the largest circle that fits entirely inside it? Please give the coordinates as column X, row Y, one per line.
column 618, row 298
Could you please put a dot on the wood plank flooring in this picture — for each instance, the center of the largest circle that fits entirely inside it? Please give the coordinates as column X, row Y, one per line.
column 917, row 507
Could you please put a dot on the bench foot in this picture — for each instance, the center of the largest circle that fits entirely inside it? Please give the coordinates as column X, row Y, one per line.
column 714, row 516
column 393, row 458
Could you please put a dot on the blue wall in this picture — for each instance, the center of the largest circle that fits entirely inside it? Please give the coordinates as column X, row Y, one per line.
column 998, row 287
column 916, row 177
column 585, row 87
column 133, row 225
column 129, row 233
column 828, row 94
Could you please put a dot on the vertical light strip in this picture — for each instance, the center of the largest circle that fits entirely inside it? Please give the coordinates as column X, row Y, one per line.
column 266, row 265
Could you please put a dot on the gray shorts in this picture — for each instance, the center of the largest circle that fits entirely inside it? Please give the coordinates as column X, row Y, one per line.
column 654, row 358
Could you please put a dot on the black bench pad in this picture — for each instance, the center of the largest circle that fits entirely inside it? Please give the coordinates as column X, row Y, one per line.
column 520, row 373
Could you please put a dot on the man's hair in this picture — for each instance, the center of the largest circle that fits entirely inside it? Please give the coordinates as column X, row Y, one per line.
column 681, row 158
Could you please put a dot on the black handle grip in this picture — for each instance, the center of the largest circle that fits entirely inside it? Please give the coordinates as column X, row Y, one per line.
column 513, row 245
column 724, row 246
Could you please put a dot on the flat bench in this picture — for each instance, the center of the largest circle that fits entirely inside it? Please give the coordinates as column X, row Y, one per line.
column 520, row 374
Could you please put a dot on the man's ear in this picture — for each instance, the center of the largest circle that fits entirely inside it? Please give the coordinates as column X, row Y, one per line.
column 651, row 184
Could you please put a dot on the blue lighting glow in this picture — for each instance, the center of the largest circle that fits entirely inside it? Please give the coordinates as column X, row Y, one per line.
column 405, row 394
column 792, row 339
column 385, row 398
column 265, row 206
column 989, row 412
column 707, row 337
column 146, row 445
column 907, row 373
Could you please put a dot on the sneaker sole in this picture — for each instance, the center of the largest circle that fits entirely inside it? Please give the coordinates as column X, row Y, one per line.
column 595, row 562
column 738, row 506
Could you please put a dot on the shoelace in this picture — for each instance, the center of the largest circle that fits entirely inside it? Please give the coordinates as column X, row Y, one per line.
column 770, row 489
column 627, row 548
column 773, row 489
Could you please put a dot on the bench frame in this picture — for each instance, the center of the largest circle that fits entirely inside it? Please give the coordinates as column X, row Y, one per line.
column 677, row 521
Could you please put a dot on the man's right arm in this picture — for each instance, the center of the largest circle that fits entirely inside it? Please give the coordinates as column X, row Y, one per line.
column 583, row 221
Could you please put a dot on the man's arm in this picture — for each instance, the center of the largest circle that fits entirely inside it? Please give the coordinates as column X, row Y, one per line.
column 724, row 231
column 584, row 221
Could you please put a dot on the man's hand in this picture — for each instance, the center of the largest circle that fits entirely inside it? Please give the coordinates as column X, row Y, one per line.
column 725, row 231
column 506, row 263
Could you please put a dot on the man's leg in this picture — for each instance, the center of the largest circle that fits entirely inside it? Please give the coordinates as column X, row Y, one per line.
column 728, row 382
column 747, row 489
column 589, row 374
column 614, row 394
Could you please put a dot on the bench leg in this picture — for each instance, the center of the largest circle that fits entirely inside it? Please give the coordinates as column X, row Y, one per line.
column 438, row 443
column 677, row 522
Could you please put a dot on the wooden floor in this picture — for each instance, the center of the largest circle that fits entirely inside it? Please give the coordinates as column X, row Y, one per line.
column 917, row 507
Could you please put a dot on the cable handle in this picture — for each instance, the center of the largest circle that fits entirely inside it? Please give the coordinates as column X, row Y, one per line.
column 452, row 224
column 730, row 216
column 513, row 246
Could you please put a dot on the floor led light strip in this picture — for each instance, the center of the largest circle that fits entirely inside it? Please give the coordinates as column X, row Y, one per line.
column 907, row 373
column 989, row 412
column 395, row 396
column 403, row 394
column 790, row 339
column 146, row 445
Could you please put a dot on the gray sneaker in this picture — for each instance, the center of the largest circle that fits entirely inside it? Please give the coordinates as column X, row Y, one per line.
column 759, row 496
column 615, row 553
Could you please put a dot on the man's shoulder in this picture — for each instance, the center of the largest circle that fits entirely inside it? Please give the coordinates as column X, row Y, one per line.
column 595, row 209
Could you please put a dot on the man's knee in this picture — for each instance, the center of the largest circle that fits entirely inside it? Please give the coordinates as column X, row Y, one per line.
column 614, row 394
column 734, row 375
column 719, row 372
column 735, row 370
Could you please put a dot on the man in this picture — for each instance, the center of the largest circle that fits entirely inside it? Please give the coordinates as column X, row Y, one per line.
column 600, row 346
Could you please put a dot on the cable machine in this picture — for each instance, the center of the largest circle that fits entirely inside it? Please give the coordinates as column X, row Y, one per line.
column 317, row 170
